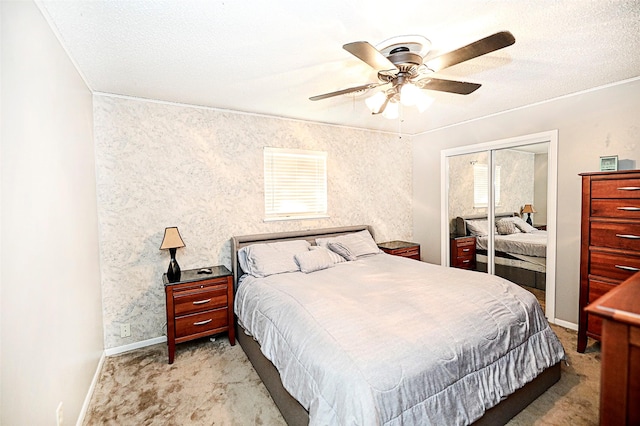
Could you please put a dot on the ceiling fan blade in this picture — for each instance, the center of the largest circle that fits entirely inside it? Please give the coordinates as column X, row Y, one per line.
column 477, row 48
column 369, row 55
column 451, row 86
column 345, row 91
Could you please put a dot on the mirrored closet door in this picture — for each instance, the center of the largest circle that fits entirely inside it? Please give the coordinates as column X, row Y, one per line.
column 498, row 209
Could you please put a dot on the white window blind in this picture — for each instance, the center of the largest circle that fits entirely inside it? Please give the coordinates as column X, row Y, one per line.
column 481, row 185
column 295, row 184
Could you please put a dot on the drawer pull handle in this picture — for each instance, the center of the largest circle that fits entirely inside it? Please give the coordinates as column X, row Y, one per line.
column 202, row 322
column 630, row 209
column 629, row 188
column 628, row 268
column 466, row 261
column 466, row 249
column 628, row 236
column 201, row 302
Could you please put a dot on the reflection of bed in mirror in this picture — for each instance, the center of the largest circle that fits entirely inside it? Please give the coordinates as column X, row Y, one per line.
column 520, row 249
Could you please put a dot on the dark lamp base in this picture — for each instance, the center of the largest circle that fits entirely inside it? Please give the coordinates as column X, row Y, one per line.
column 173, row 273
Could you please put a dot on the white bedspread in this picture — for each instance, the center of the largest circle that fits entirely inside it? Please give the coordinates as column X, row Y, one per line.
column 389, row 340
column 527, row 243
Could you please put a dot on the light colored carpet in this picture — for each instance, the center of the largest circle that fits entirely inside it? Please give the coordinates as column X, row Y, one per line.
column 213, row 383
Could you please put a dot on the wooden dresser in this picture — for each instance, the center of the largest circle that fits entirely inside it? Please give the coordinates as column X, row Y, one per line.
column 620, row 378
column 463, row 252
column 610, row 244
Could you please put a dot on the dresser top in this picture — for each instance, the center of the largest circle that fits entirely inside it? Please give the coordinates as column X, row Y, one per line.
column 614, row 173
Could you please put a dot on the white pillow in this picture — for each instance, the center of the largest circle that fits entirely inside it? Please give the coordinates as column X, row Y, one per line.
column 262, row 260
column 313, row 260
column 522, row 225
column 507, row 227
column 478, row 228
column 358, row 243
column 342, row 250
column 335, row 257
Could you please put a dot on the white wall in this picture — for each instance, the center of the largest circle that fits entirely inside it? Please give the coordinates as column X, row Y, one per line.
column 51, row 314
column 590, row 124
column 201, row 170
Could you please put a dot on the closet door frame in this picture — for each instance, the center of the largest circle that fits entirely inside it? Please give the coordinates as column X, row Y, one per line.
column 550, row 137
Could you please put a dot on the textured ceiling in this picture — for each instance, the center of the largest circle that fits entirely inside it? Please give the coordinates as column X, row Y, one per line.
column 270, row 57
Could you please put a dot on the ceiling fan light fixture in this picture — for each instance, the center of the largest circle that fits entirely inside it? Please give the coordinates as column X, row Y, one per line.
column 391, row 111
column 374, row 103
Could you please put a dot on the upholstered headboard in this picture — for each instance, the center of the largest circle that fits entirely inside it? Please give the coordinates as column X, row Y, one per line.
column 310, row 235
column 461, row 224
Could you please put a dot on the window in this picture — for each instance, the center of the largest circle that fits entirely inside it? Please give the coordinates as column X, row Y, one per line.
column 295, row 184
column 481, row 187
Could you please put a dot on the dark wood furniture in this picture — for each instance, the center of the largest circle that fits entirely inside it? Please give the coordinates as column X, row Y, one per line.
column 292, row 411
column 620, row 378
column 610, row 240
column 463, row 252
column 199, row 305
column 401, row 248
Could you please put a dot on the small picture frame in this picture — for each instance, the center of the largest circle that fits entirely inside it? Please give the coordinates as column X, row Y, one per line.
column 609, row 163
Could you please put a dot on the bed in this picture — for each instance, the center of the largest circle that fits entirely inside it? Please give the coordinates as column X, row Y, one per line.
column 380, row 339
column 520, row 256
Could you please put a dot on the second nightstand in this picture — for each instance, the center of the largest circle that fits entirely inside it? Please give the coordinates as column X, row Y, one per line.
column 199, row 305
column 401, row 248
column 463, row 252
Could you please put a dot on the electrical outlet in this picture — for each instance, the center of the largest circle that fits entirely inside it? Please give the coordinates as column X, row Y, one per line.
column 125, row 330
column 59, row 414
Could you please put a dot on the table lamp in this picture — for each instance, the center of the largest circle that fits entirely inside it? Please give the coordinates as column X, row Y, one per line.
column 528, row 209
column 172, row 241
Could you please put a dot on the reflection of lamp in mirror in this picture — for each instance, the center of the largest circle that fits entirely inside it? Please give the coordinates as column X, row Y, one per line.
column 172, row 241
column 528, row 209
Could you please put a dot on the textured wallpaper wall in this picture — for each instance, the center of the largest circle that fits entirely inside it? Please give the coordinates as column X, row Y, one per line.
column 517, row 179
column 201, row 170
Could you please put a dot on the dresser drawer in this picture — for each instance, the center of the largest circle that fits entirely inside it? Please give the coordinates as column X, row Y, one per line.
column 202, row 322
column 625, row 236
column 616, row 207
column 613, row 266
column 618, row 188
column 200, row 299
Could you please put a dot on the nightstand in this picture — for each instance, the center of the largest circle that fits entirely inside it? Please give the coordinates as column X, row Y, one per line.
column 463, row 252
column 199, row 305
column 401, row 248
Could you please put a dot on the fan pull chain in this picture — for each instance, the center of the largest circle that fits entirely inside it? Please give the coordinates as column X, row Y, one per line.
column 400, row 120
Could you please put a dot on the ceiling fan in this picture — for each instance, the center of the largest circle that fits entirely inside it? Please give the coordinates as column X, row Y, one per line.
column 401, row 66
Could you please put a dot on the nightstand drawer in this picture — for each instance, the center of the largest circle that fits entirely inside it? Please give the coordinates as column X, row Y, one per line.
column 465, row 242
column 464, row 262
column 200, row 299
column 467, row 250
column 201, row 323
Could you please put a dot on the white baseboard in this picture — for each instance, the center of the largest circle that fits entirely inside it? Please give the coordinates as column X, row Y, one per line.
column 565, row 324
column 87, row 399
column 136, row 345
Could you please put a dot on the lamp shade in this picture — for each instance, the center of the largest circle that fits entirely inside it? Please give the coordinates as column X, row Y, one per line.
column 172, row 239
column 528, row 208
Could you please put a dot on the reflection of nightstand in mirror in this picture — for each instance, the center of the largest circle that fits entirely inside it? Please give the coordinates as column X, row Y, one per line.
column 463, row 252
column 540, row 227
